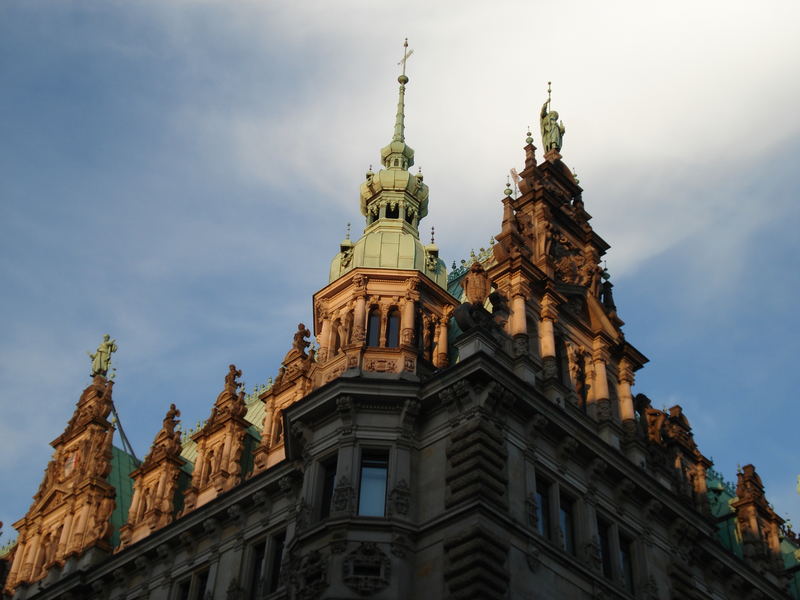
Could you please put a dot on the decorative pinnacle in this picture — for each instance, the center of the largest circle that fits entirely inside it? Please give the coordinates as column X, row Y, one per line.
column 431, row 234
column 529, row 139
column 508, row 191
column 399, row 125
column 347, row 234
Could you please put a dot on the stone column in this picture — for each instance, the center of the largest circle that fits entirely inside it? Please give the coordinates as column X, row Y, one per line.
column 65, row 532
column 626, row 412
column 407, row 322
column 359, row 320
column 600, row 404
column 441, row 343
column 384, row 321
column 547, row 339
column 324, row 338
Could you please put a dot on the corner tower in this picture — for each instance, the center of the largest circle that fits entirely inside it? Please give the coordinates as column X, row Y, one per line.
column 386, row 307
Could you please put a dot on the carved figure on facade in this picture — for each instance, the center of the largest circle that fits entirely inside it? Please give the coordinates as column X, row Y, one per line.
column 576, row 358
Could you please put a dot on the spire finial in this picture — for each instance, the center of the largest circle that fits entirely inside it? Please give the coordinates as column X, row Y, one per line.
column 431, row 234
column 399, row 125
column 347, row 234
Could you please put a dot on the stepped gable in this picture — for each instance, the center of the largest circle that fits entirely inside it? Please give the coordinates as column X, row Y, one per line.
column 156, row 483
column 220, row 445
column 71, row 510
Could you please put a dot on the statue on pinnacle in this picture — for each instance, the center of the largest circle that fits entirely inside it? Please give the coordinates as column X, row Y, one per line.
column 101, row 359
column 552, row 130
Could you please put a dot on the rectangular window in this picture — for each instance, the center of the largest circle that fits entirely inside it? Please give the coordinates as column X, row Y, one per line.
column 626, row 562
column 328, row 484
column 276, row 559
column 604, row 539
column 543, row 508
column 566, row 518
column 192, row 587
column 372, row 486
column 258, row 552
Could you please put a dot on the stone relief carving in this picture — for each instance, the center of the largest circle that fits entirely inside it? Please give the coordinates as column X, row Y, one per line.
column 400, row 499
column 343, row 496
column 367, row 570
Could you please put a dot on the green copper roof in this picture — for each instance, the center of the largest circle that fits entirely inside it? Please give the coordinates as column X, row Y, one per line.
column 393, row 201
column 122, row 464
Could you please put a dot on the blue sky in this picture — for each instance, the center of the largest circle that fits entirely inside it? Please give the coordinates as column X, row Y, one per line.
column 179, row 175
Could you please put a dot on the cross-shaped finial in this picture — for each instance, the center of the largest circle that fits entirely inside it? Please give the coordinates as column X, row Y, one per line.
column 406, row 54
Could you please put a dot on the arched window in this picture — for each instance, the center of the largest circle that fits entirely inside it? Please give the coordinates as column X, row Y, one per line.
column 373, row 327
column 393, row 329
column 392, row 212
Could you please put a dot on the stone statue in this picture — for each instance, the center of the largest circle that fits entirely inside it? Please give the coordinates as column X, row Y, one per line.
column 300, row 342
column 170, row 420
column 231, row 384
column 101, row 359
column 552, row 130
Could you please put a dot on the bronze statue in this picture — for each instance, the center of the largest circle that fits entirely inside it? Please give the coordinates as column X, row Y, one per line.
column 552, row 130
column 101, row 359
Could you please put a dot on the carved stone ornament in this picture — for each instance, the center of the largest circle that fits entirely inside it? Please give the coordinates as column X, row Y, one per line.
column 400, row 499
column 308, row 577
column 367, row 570
column 476, row 285
column 343, row 496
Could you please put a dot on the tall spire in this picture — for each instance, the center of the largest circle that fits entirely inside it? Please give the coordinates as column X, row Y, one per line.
column 397, row 155
column 399, row 124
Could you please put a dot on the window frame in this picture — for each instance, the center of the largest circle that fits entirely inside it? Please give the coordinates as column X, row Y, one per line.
column 385, row 454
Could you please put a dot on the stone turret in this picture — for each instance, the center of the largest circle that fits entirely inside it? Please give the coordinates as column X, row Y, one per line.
column 393, row 202
column 70, row 513
column 386, row 309
column 220, row 446
column 758, row 523
column 155, row 484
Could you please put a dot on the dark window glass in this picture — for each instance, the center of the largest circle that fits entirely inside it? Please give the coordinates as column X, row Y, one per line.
column 257, row 562
column 372, row 488
column 328, row 483
column 604, row 539
column 184, row 587
column 543, row 508
column 277, row 557
column 567, row 523
column 393, row 329
column 200, row 589
column 392, row 213
column 373, row 328
column 626, row 562
column 409, row 217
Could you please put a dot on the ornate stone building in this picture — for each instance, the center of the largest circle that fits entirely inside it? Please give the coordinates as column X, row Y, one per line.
column 471, row 435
